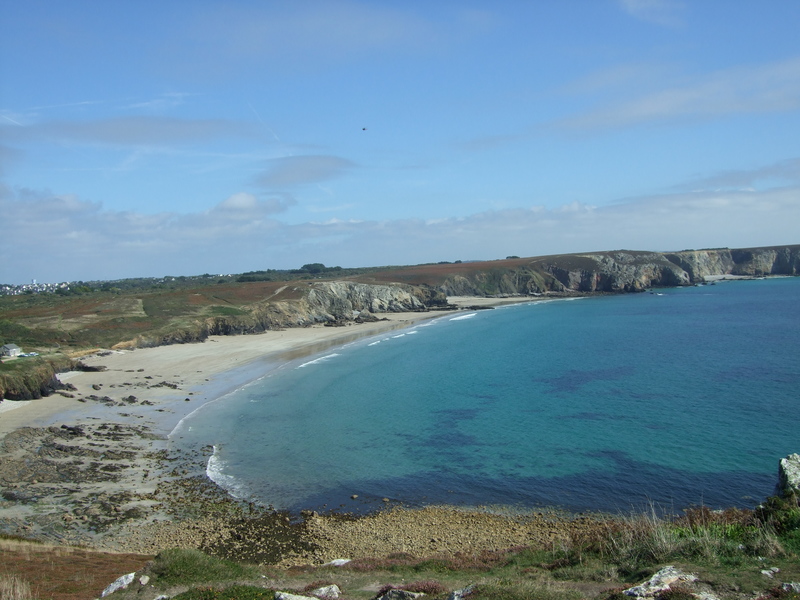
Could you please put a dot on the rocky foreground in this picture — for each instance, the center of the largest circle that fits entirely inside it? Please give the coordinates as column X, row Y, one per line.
column 105, row 486
column 110, row 486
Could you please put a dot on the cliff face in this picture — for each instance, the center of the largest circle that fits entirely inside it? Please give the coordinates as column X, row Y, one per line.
column 345, row 299
column 754, row 262
column 624, row 271
column 331, row 302
column 618, row 272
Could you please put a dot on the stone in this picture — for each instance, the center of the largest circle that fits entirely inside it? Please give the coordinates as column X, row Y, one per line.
column 462, row 593
column 329, row 592
column 658, row 583
column 288, row 596
column 788, row 476
column 337, row 562
column 119, row 584
column 400, row 595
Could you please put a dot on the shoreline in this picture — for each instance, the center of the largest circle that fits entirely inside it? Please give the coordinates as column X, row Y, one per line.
column 97, row 468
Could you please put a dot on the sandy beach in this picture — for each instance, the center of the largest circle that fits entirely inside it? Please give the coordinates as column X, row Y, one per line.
column 165, row 377
column 92, row 465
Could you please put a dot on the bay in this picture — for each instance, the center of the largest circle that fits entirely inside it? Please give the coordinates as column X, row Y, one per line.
column 677, row 397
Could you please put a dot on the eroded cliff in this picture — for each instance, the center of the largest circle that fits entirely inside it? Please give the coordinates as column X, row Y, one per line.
column 622, row 271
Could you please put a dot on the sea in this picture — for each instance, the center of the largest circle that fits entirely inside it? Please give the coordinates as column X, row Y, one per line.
column 668, row 399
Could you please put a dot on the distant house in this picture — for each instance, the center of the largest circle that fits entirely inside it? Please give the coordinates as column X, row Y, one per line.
column 10, row 350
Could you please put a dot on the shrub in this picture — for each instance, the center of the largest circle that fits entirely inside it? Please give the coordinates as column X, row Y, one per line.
column 181, row 566
column 783, row 514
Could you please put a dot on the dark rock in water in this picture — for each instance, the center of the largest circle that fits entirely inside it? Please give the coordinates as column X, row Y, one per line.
column 788, row 476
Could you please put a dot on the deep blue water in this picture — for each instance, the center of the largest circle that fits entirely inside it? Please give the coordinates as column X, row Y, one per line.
column 687, row 396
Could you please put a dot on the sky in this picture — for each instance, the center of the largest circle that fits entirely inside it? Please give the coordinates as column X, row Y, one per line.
column 182, row 137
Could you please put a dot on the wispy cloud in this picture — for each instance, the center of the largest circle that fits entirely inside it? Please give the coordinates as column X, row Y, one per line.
column 298, row 170
column 161, row 103
column 232, row 38
column 782, row 173
column 772, row 87
column 130, row 131
column 661, row 12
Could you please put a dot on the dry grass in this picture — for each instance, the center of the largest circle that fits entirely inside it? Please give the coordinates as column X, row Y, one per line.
column 59, row 572
column 14, row 588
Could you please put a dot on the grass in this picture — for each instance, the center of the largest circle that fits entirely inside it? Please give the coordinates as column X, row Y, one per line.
column 14, row 588
column 31, row 570
column 188, row 567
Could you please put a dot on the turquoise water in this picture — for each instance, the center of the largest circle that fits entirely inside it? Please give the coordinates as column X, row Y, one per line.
column 687, row 396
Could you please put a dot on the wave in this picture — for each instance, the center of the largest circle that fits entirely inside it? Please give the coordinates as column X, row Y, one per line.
column 214, row 471
column 462, row 317
column 318, row 360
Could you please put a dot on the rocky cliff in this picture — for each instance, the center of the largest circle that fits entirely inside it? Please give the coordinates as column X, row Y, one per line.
column 622, row 271
column 326, row 302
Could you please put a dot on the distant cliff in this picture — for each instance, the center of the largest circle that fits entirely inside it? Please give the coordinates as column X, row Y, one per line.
column 340, row 302
column 622, row 271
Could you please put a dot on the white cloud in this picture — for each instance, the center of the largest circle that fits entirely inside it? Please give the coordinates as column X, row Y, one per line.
column 76, row 239
column 246, row 206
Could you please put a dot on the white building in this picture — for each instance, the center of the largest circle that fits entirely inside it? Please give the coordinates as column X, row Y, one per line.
column 10, row 350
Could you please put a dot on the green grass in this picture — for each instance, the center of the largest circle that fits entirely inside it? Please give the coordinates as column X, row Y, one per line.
column 189, row 567
column 235, row 592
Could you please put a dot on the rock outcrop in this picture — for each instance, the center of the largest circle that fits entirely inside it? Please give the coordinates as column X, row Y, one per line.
column 328, row 302
column 346, row 299
column 789, row 476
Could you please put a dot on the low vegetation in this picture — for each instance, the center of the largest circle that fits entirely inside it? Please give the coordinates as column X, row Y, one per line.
column 728, row 551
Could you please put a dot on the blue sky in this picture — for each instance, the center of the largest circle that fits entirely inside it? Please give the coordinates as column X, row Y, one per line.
column 185, row 137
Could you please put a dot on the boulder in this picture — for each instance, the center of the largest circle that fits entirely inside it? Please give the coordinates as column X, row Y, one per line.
column 396, row 594
column 119, row 584
column 288, row 596
column 660, row 582
column 788, row 476
column 328, row 592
